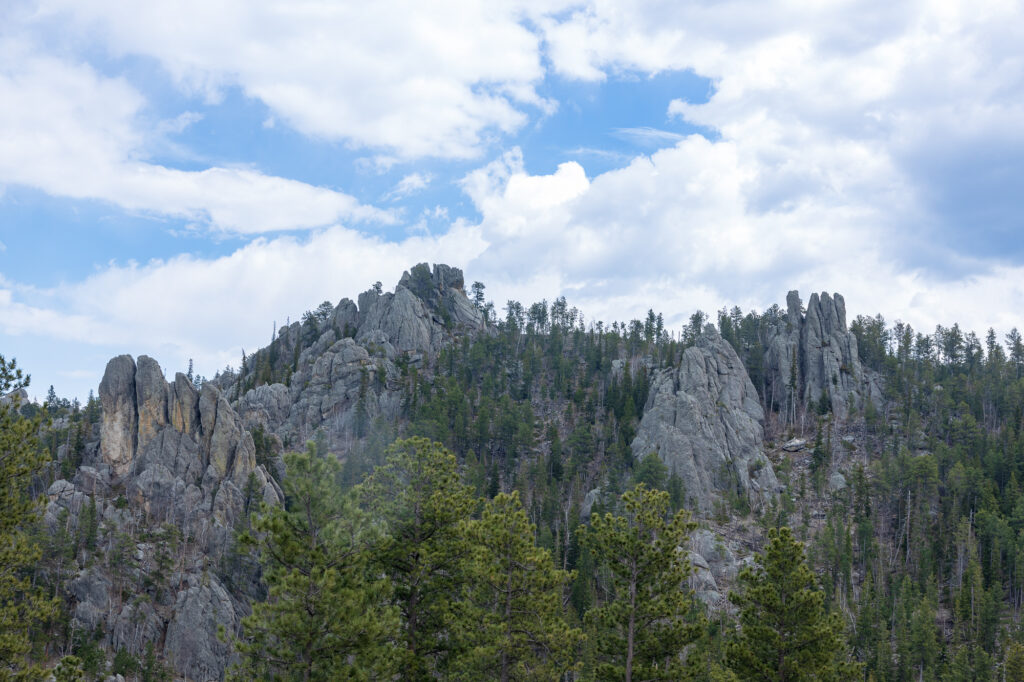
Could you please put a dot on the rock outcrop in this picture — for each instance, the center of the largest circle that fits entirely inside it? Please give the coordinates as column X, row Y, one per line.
column 813, row 357
column 174, row 467
column 171, row 444
column 705, row 421
column 715, row 568
column 341, row 373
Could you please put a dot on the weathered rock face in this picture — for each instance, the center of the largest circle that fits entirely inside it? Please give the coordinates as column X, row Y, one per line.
column 171, row 460
column 119, row 427
column 705, row 421
column 715, row 568
column 165, row 438
column 201, row 608
column 422, row 313
column 812, row 355
column 348, row 370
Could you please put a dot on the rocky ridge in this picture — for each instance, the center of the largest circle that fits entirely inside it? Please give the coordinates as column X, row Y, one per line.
column 340, row 374
column 169, row 458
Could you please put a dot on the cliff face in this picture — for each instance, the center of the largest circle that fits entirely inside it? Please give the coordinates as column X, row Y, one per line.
column 705, row 421
column 174, row 467
column 813, row 355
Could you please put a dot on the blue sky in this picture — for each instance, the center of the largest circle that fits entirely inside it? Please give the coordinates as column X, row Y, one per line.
column 176, row 180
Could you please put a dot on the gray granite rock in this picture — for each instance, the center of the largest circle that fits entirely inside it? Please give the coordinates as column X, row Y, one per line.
column 119, row 424
column 812, row 354
column 715, row 567
column 201, row 608
column 346, row 372
column 136, row 625
column 705, row 421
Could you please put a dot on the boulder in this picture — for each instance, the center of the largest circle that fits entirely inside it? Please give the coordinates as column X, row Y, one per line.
column 92, row 590
column 795, row 445
column 191, row 644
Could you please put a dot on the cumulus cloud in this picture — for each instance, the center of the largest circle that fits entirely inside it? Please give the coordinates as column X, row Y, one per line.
column 410, row 78
column 868, row 148
column 911, row 106
column 72, row 132
column 676, row 231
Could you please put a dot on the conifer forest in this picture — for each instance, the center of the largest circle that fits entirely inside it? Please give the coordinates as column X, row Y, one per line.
column 429, row 485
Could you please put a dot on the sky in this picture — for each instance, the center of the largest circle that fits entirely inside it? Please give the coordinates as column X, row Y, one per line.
column 178, row 179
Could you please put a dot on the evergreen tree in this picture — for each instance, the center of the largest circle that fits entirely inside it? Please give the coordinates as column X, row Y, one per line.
column 1013, row 666
column 785, row 634
column 22, row 604
column 642, row 627
column 326, row 616
column 418, row 495
column 512, row 624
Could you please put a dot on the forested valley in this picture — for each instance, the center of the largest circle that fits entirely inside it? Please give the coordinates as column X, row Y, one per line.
column 427, row 485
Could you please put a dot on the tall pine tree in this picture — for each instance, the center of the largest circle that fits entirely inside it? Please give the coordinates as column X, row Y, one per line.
column 327, row 616
column 512, row 624
column 419, row 497
column 23, row 606
column 786, row 635
column 644, row 622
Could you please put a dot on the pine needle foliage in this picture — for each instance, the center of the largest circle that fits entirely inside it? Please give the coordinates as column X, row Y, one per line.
column 23, row 607
column 326, row 616
column 513, row 625
column 786, row 635
column 642, row 627
column 419, row 498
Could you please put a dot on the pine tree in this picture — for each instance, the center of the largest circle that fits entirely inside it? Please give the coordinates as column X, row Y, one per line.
column 22, row 604
column 512, row 625
column 1013, row 666
column 326, row 616
column 418, row 496
column 642, row 627
column 785, row 634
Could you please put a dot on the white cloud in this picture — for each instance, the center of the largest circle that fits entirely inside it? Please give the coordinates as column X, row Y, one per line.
column 410, row 78
column 209, row 309
column 677, row 231
column 73, row 133
column 840, row 129
column 647, row 136
column 912, row 105
column 410, row 184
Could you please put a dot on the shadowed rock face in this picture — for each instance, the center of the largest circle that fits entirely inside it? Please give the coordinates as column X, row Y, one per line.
column 705, row 421
column 813, row 354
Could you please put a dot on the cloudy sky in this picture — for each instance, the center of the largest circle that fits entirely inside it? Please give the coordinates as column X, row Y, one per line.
column 176, row 178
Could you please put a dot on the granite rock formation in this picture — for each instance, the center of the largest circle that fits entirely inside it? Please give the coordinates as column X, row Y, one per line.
column 812, row 357
column 339, row 374
column 174, row 467
column 705, row 421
